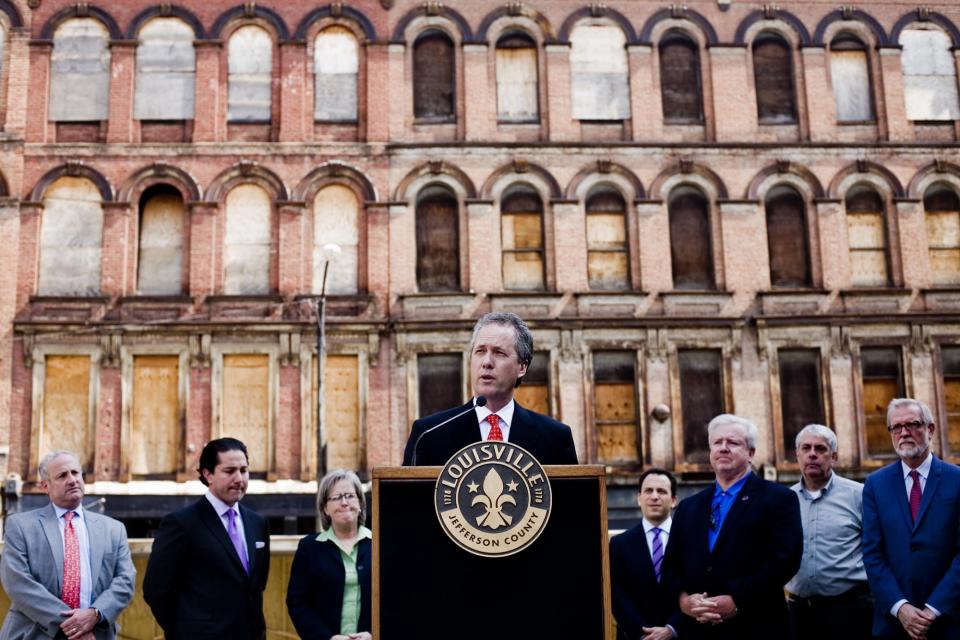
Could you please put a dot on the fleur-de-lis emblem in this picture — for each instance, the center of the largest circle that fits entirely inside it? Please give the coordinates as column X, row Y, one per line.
column 493, row 499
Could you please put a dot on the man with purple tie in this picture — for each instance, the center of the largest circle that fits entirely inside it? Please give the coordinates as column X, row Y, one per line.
column 209, row 564
column 911, row 545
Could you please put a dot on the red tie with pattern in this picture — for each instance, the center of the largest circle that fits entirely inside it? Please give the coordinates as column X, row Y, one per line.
column 915, row 495
column 495, row 433
column 70, row 593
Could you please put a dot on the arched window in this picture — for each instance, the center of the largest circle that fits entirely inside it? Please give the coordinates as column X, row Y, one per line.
column 787, row 238
column 166, row 69
column 680, row 79
column 608, row 259
column 71, row 236
column 867, row 234
column 942, row 209
column 691, row 248
column 434, row 92
column 335, row 62
column 336, row 216
column 521, row 220
column 160, row 261
column 248, row 236
column 850, row 74
column 929, row 74
column 517, row 96
column 598, row 73
column 80, row 72
column 249, row 69
column 773, row 79
column 438, row 240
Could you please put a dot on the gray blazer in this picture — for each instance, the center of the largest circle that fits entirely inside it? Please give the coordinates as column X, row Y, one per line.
column 31, row 570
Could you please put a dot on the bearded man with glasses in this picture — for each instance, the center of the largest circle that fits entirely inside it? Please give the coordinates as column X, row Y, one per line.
column 911, row 546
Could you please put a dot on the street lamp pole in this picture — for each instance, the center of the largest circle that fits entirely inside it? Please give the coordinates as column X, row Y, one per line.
column 330, row 252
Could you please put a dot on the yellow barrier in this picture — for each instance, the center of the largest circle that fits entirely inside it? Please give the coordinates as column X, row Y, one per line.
column 137, row 623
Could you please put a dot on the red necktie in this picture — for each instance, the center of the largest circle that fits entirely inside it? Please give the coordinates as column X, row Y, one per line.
column 915, row 495
column 495, row 433
column 70, row 593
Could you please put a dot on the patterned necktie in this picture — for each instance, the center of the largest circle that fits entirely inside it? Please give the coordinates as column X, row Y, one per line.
column 238, row 542
column 70, row 593
column 656, row 554
column 915, row 495
column 495, row 433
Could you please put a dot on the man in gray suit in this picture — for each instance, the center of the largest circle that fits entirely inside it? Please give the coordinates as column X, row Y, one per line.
column 67, row 571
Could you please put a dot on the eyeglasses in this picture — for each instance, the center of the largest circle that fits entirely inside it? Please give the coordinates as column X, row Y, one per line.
column 913, row 426
column 349, row 497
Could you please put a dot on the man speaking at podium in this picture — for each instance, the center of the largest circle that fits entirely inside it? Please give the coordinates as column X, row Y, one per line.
column 500, row 352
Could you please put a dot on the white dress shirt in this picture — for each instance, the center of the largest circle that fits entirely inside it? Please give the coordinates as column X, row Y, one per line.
column 221, row 508
column 79, row 523
column 506, row 417
column 664, row 533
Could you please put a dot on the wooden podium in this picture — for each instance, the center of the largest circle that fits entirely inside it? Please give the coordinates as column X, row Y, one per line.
column 425, row 586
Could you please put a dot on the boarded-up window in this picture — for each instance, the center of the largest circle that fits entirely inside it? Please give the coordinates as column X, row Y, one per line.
column 598, row 73
column 882, row 382
column 517, row 99
column 335, row 64
column 439, row 381
column 850, row 74
column 680, row 79
column 250, row 66
column 615, row 407
column 929, row 74
column 166, row 67
column 245, row 406
column 691, row 250
column 522, row 233
column 80, row 72
column 336, row 213
column 247, row 259
column 787, row 239
column 434, row 95
column 608, row 259
column 534, row 393
column 66, row 407
column 155, row 422
column 160, row 261
column 773, row 79
column 341, row 410
column 943, row 234
column 868, row 238
column 801, row 394
column 701, row 398
column 438, row 241
column 950, row 361
column 71, row 234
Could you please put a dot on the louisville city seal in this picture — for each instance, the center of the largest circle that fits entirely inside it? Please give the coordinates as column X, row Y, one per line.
column 493, row 498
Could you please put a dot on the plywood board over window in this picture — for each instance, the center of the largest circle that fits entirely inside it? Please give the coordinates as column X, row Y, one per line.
column 950, row 368
column 534, row 393
column 881, row 370
column 691, row 249
column 160, row 259
column 335, row 62
column 680, row 79
column 250, row 69
column 942, row 207
column 336, row 215
column 598, row 72
column 517, row 95
column 248, row 236
column 773, row 80
column 166, row 71
column 867, row 235
column 850, row 75
column 80, row 72
column 439, row 381
column 616, row 418
column 608, row 259
column 66, row 407
column 929, row 74
column 434, row 92
column 801, row 394
column 71, row 234
column 156, row 416
column 341, row 410
column 438, row 241
column 522, row 240
column 787, row 239
column 701, row 399
column 245, row 406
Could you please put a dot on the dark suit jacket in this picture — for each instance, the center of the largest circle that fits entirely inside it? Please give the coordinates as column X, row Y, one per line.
column 549, row 441
column 638, row 599
column 315, row 591
column 195, row 584
column 758, row 551
column 917, row 562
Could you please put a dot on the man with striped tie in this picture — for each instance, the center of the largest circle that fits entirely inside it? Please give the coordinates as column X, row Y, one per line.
column 641, row 606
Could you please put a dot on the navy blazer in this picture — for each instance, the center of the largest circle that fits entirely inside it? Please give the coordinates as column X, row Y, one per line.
column 549, row 441
column 757, row 552
column 195, row 583
column 919, row 562
column 315, row 591
column 638, row 599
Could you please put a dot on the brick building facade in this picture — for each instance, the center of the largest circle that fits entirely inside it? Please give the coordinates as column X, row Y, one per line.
column 725, row 206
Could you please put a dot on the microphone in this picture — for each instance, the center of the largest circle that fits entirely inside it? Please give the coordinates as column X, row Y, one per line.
column 481, row 401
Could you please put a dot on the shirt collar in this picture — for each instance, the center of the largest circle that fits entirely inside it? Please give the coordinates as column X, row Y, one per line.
column 327, row 535
column 824, row 489
column 923, row 469
column 220, row 506
column 505, row 413
column 61, row 510
column 734, row 488
column 663, row 526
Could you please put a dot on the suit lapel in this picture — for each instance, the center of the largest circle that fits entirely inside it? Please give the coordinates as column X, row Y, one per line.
column 739, row 507
column 933, row 482
column 897, row 487
column 210, row 519
column 249, row 535
column 51, row 530
column 96, row 534
column 520, row 432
